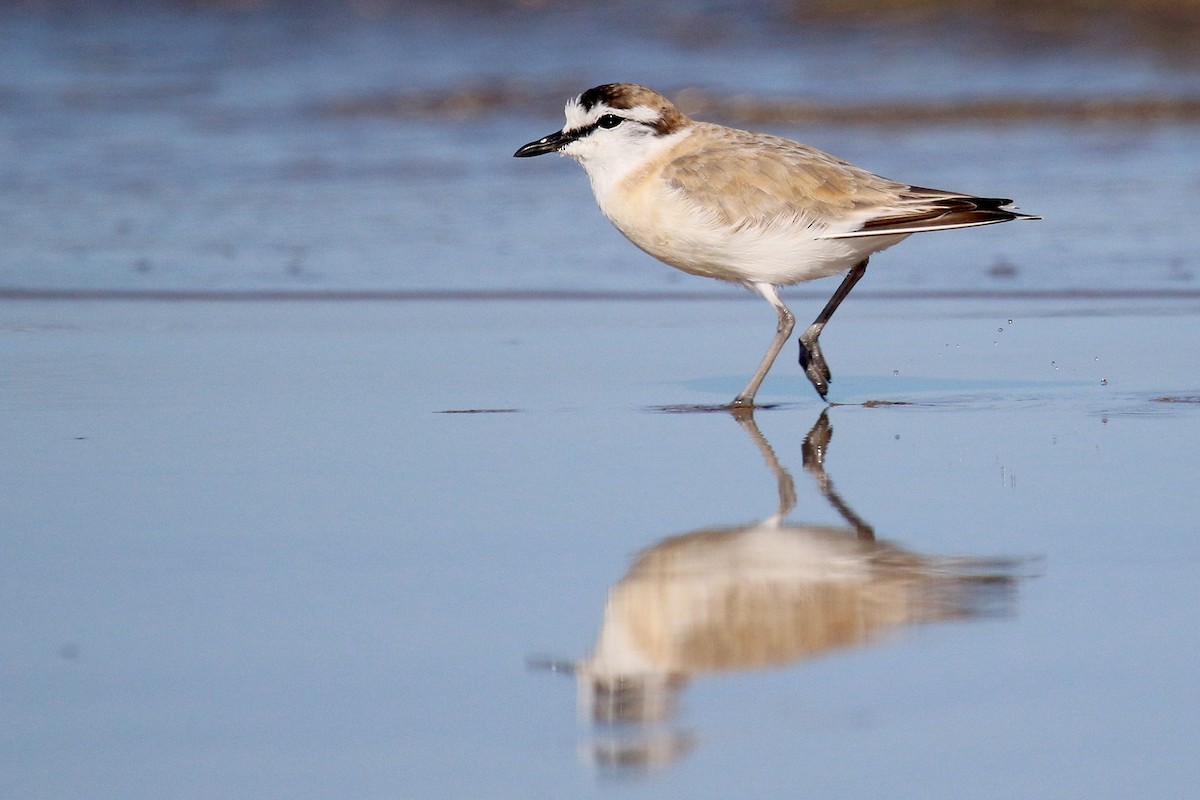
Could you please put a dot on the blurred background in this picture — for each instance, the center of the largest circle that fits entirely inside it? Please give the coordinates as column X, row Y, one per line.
column 365, row 146
column 309, row 549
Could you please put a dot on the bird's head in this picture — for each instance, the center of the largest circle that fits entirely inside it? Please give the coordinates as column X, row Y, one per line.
column 613, row 124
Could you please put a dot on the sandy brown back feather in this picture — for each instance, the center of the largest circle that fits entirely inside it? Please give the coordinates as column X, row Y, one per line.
column 753, row 180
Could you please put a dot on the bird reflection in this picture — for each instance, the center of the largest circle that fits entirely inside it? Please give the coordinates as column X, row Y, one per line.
column 754, row 596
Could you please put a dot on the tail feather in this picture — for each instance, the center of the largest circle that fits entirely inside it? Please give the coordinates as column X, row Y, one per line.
column 932, row 210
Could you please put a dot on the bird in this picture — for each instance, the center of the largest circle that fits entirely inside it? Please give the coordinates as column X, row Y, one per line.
column 748, row 208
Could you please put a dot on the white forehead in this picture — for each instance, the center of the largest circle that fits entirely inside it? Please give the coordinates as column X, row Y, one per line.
column 579, row 117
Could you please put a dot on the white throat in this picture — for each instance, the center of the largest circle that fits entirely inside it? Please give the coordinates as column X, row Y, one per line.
column 611, row 160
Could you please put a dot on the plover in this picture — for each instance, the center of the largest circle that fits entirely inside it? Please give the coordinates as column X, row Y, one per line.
column 745, row 207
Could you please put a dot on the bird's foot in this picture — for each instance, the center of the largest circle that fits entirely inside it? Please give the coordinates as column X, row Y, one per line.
column 816, row 445
column 741, row 405
column 814, row 365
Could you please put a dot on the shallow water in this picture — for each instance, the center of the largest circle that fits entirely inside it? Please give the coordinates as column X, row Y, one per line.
column 247, row 553
column 270, row 149
column 262, row 545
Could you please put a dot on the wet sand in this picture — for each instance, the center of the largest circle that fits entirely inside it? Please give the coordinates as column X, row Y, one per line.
column 248, row 553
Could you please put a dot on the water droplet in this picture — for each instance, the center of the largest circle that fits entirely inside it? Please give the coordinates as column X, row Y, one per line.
column 1104, row 381
column 895, row 372
column 999, row 330
column 1010, row 322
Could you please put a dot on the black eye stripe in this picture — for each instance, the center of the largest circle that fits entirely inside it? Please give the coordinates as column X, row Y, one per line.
column 608, row 121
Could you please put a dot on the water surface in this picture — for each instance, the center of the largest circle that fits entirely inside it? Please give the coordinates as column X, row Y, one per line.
column 352, row 421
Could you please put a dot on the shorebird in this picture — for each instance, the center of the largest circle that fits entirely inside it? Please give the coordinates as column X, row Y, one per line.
column 749, row 208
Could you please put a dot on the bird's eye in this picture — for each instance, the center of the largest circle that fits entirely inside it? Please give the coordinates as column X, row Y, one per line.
column 610, row 121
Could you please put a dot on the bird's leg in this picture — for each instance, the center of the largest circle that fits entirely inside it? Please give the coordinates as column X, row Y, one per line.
column 810, row 349
column 787, row 486
column 783, row 331
column 816, row 444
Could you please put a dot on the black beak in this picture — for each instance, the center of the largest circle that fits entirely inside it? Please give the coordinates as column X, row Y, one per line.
column 547, row 144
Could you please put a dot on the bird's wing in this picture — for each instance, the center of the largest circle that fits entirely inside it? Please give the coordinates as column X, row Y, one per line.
column 751, row 180
column 920, row 209
column 748, row 180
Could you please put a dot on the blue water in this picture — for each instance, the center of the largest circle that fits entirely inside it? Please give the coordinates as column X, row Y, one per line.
column 246, row 552
column 214, row 149
column 246, row 555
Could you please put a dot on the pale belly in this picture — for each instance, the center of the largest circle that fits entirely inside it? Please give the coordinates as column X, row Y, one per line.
column 779, row 254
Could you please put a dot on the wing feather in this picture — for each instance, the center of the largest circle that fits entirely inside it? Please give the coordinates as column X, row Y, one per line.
column 747, row 180
column 923, row 209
